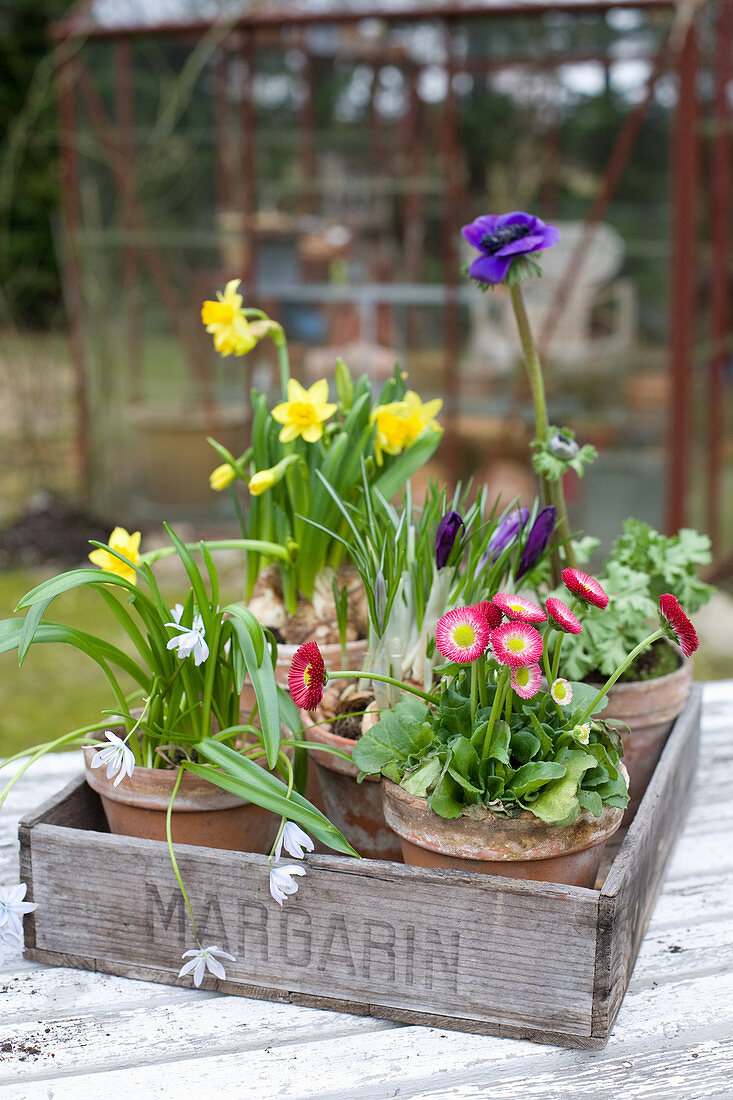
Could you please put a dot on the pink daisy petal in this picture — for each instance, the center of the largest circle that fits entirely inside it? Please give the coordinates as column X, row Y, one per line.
column 494, row 615
column 516, row 644
column 677, row 625
column 462, row 635
column 307, row 676
column 585, row 587
column 526, row 680
column 519, row 609
column 562, row 617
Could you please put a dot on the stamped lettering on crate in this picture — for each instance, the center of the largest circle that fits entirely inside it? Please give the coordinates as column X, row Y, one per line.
column 348, row 946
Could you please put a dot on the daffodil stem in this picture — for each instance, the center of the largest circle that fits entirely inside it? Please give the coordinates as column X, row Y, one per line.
column 341, row 673
column 283, row 362
column 619, row 672
column 495, row 710
column 172, row 854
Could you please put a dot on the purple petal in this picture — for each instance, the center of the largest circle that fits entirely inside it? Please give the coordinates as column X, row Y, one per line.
column 537, row 540
column 477, row 230
column 533, row 243
column 489, row 269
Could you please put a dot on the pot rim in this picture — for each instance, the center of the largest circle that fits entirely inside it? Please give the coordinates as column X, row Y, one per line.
column 151, row 788
column 525, row 837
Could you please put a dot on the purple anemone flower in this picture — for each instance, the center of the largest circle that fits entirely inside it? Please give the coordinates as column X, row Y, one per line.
column 500, row 238
column 537, row 540
column 446, row 536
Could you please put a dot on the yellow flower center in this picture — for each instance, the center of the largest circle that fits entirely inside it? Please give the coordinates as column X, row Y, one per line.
column 516, row 645
column 217, row 313
column 560, row 691
column 517, row 607
column 302, row 413
column 308, row 675
column 464, row 636
column 522, row 677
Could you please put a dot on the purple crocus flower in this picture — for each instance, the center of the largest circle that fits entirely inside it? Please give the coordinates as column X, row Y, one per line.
column 537, row 540
column 507, row 532
column 500, row 238
column 446, row 536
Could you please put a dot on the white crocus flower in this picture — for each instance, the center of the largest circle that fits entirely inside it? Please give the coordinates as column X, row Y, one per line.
column 202, row 959
column 294, row 840
column 281, row 881
column 118, row 757
column 190, row 639
column 12, row 911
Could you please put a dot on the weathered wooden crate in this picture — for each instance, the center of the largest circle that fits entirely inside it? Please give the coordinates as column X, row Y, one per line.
column 446, row 948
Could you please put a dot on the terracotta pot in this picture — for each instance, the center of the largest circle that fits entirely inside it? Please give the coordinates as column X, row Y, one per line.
column 649, row 708
column 521, row 847
column 354, row 808
column 203, row 814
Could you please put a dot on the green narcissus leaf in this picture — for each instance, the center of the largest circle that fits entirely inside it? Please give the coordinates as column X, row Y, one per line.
column 558, row 803
column 530, row 777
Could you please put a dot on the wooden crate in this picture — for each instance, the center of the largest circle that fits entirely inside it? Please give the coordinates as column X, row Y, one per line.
column 445, row 948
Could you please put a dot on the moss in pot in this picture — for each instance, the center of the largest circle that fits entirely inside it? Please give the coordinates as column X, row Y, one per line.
column 494, row 771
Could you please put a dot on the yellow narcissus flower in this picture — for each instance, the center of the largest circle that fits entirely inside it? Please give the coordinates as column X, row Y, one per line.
column 304, row 412
column 391, row 424
column 226, row 322
column 262, row 481
column 400, row 423
column 222, row 477
column 125, row 544
column 420, row 415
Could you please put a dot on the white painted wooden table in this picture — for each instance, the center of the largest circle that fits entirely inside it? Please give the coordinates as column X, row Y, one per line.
column 75, row 1034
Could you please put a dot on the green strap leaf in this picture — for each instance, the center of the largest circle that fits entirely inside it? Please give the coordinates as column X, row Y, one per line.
column 243, row 777
column 251, row 638
column 11, row 631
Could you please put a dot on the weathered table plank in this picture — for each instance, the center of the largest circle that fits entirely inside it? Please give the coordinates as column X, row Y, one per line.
column 671, row 1039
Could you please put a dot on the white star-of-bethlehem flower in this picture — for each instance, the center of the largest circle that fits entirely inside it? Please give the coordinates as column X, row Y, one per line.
column 190, row 639
column 12, row 911
column 118, row 757
column 202, row 959
column 282, row 883
column 294, row 840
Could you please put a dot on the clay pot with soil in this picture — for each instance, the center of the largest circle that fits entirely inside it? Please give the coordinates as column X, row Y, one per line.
column 355, row 808
column 649, row 708
column 203, row 814
column 522, row 847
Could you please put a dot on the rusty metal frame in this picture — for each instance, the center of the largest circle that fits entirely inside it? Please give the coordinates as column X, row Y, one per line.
column 242, row 39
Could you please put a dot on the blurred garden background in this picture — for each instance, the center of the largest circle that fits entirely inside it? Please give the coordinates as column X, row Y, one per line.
column 327, row 153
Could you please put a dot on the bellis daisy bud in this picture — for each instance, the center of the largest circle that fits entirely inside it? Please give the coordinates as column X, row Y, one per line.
column 676, row 625
column 585, row 587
